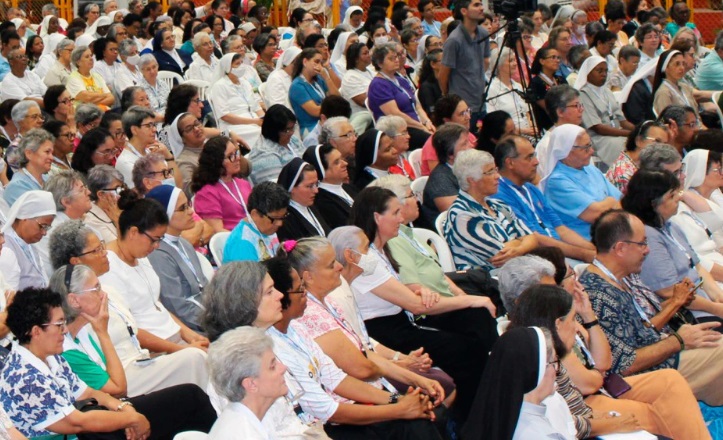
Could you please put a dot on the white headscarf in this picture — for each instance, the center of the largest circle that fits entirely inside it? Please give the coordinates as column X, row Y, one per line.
column 114, row 13
column 51, row 42
column 562, row 140
column 420, row 48
column 564, row 12
column 288, row 57
column 32, row 204
column 44, row 26
column 642, row 72
column 589, row 64
column 175, row 138
column 93, row 28
column 696, row 167
column 224, row 67
column 338, row 55
column 347, row 16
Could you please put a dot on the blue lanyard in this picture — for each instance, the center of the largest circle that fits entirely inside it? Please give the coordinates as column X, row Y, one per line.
column 186, row 259
column 625, row 286
column 669, row 234
column 527, row 200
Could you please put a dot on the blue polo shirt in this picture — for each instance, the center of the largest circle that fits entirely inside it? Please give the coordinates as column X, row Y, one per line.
column 522, row 200
column 299, row 93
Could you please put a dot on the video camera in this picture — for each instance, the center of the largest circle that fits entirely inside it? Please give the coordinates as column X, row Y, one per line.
column 511, row 9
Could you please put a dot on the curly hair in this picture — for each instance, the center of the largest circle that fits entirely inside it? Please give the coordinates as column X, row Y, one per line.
column 210, row 163
column 31, row 307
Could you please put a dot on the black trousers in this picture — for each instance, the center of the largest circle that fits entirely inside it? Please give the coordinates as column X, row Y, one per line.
column 393, row 430
column 170, row 411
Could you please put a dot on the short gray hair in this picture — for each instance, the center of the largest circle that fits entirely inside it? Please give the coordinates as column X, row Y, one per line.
column 558, row 98
column 125, row 46
column 655, row 155
column 90, row 6
column 518, row 274
column 67, row 240
column 134, row 116
column 64, row 43
column 141, row 169
column 409, row 22
column 20, row 111
column 78, row 278
column 445, row 139
column 305, row 253
column 331, row 128
column 129, row 96
column 61, row 186
column 343, row 238
column 113, row 30
column 504, row 55
column 49, row 7
column 396, row 183
column 146, row 59
column 99, row 177
column 197, row 39
column 77, row 54
column 87, row 113
column 226, row 43
column 233, row 357
column 381, row 52
column 107, row 3
column 391, row 125
column 32, row 140
column 231, row 299
column 468, row 165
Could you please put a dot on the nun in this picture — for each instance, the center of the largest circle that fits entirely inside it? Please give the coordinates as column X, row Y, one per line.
column 94, row 31
column 175, row 261
column 637, row 95
column 509, row 402
column 577, row 190
column 335, row 197
column 338, row 55
column 304, row 220
column 29, row 220
column 354, row 18
column 234, row 103
column 603, row 118
column 375, row 154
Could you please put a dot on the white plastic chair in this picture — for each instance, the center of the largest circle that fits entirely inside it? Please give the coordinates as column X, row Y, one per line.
column 201, row 85
column 206, row 266
column 366, row 104
column 716, row 101
column 217, row 243
column 191, row 435
column 439, row 223
column 262, row 92
column 415, row 159
column 440, row 244
column 418, row 187
column 168, row 77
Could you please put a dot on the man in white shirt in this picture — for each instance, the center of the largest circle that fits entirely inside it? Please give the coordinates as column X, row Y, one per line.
column 20, row 83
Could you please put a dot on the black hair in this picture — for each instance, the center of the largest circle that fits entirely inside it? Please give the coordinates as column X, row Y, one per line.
column 426, row 73
column 279, row 269
column 554, row 255
column 372, row 200
column 8, row 35
column 645, row 192
column 540, row 306
column 505, row 149
column 261, row 40
column 614, row 10
column 29, row 47
column 370, row 41
column 268, row 197
column 536, row 67
column 210, row 163
column 352, row 54
column 50, row 99
column 6, row 108
column 296, row 16
column 131, row 18
column 144, row 214
column 609, row 228
column 640, row 130
column 211, row 18
column 83, row 157
column 334, row 36
column 423, row 4
column 454, row 24
column 659, row 72
column 445, row 108
column 178, row 15
column 53, row 127
column 188, row 31
column 493, row 128
column 714, row 157
column 108, row 118
column 306, row 54
column 99, row 47
column 398, row 18
column 178, row 101
column 711, row 139
column 311, row 40
column 603, row 37
column 31, row 307
column 150, row 6
column 334, row 105
column 276, row 119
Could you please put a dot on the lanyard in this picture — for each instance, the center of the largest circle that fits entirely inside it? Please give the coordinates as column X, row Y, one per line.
column 613, row 122
column 416, row 245
column 240, row 199
column 400, row 164
column 92, row 351
column 29, row 253
column 186, row 259
column 300, row 347
column 624, row 286
column 133, row 150
column 699, row 222
column 669, row 234
column 527, row 200
column 677, row 91
column 317, row 88
column 395, row 81
column 339, row 320
column 60, row 162
column 547, row 79
column 129, row 327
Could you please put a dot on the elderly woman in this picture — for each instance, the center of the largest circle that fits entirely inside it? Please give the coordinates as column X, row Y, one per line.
column 577, row 190
column 449, row 108
column 668, row 89
column 26, row 115
column 648, row 40
column 309, row 86
column 35, row 156
column 150, row 171
column 335, row 197
column 204, row 63
column 654, row 197
column 128, row 74
column 482, row 232
column 396, row 128
column 168, row 57
column 60, row 70
column 96, row 148
column 239, row 361
column 87, row 117
column 105, row 184
column 85, row 85
column 375, row 154
column 140, row 128
column 644, row 134
column 302, row 219
column 28, row 221
column 390, row 94
column 277, row 146
column 157, row 90
column 141, row 226
column 265, row 46
column 234, row 102
column 62, row 147
column 59, row 105
column 254, row 238
column 220, row 196
column 503, row 93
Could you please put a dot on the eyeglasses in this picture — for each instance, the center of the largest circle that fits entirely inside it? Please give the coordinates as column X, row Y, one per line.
column 572, row 274
column 37, row 117
column 491, row 172
column 690, row 124
column 43, row 227
column 154, row 240
column 20, row 57
column 553, row 57
column 196, row 100
column 151, row 125
column 717, row 170
column 67, row 101
column 60, row 324
column 168, row 172
column 578, row 106
column 643, row 243
column 301, row 291
column 69, row 135
column 307, row 20
column 97, row 251
column 96, row 289
column 116, row 190
column 185, row 207
column 311, row 186
column 118, row 135
column 555, row 365
column 467, row 112
column 584, row 148
column 349, row 136
column 288, row 130
column 190, row 128
column 402, row 133
column 276, row 219
column 107, row 153
column 233, row 157
column 680, row 171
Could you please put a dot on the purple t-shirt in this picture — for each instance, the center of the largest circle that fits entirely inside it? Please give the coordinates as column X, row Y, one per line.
column 214, row 202
column 381, row 91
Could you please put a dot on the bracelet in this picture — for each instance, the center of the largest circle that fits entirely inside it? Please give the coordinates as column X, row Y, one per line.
column 680, row 339
column 393, row 398
column 591, row 324
column 123, row 405
column 396, row 356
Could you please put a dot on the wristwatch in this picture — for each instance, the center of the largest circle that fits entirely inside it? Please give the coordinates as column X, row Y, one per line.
column 393, row 398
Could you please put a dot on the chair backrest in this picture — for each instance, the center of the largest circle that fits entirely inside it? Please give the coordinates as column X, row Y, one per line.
column 418, row 187
column 201, row 85
column 168, row 77
column 215, row 114
column 262, row 92
column 716, row 101
column 415, row 159
column 206, row 266
column 440, row 245
column 218, row 242
column 191, row 435
column 439, row 223
column 366, row 104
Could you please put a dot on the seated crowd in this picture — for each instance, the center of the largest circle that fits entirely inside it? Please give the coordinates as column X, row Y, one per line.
column 210, row 223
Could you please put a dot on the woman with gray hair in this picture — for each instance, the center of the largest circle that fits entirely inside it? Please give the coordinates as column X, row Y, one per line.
column 26, row 115
column 85, row 85
column 128, row 73
column 157, row 90
column 34, row 158
column 204, row 61
column 482, row 232
column 105, row 184
column 396, row 128
column 504, row 93
column 245, row 371
column 60, row 69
